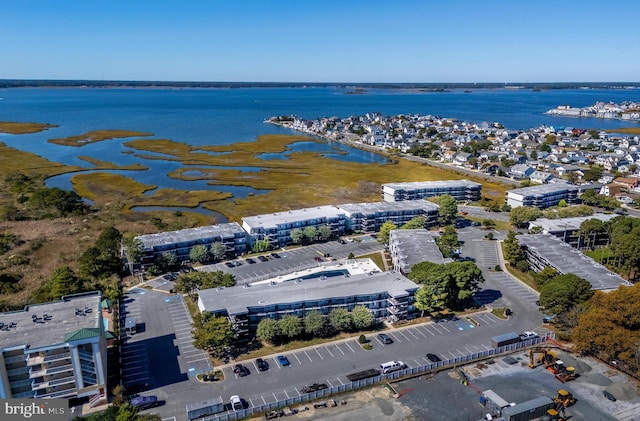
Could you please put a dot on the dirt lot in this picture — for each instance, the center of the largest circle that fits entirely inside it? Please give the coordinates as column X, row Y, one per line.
column 443, row 396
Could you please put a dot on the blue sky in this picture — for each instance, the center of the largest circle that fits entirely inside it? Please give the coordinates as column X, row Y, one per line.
column 321, row 41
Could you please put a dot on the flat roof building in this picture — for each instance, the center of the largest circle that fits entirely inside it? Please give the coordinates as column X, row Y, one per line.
column 387, row 295
column 230, row 235
column 545, row 250
column 547, row 195
column 410, row 247
column 54, row 350
column 276, row 227
column 460, row 189
column 369, row 217
column 567, row 229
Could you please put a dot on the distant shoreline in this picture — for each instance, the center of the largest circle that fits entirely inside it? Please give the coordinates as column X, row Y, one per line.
column 420, row 87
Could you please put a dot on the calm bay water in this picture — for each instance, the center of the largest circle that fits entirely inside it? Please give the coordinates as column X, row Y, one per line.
column 224, row 116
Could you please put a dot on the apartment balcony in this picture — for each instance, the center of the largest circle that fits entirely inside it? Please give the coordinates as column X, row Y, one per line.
column 15, row 359
column 49, row 371
column 65, row 393
column 51, row 383
column 396, row 311
column 396, row 302
column 17, row 371
column 23, row 395
column 85, row 356
column 47, row 359
column 20, row 383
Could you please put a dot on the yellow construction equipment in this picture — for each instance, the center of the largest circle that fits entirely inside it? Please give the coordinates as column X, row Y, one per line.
column 564, row 399
column 565, row 374
column 553, row 415
column 546, row 357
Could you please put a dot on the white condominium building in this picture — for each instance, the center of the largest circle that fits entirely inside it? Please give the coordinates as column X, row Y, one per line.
column 54, row 350
column 460, row 189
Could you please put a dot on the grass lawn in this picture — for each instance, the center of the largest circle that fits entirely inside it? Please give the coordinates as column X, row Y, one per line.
column 524, row 277
column 499, row 313
column 377, row 259
column 499, row 225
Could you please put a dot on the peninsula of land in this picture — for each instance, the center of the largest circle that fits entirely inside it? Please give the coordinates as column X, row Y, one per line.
column 608, row 110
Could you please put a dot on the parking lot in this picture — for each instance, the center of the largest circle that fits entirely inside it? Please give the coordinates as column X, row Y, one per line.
column 252, row 269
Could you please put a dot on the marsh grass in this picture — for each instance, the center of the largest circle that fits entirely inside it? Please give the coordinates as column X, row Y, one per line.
column 12, row 160
column 23, row 128
column 627, row 130
column 105, row 165
column 96, row 136
column 303, row 179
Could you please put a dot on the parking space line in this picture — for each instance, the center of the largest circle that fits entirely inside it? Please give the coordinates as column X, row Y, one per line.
column 403, row 335
column 297, row 391
column 428, row 330
column 285, row 392
column 330, row 385
column 276, row 363
column 349, row 346
column 251, row 402
column 327, row 349
column 445, row 328
column 468, row 350
column 412, row 334
column 263, row 400
column 305, row 353
column 297, row 359
column 341, row 382
column 418, row 330
column 317, row 352
column 275, row 397
column 339, row 349
column 395, row 337
column 417, row 362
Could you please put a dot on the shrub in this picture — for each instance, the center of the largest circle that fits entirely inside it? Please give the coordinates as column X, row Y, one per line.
column 498, row 268
column 362, row 339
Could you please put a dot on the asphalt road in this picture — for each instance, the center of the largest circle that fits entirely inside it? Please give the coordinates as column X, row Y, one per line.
column 172, row 376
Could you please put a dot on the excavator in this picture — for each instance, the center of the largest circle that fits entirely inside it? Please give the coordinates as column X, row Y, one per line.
column 562, row 372
column 546, row 357
column 553, row 415
column 563, row 399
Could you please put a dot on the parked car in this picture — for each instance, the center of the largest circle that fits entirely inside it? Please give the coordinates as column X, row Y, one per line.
column 238, row 263
column 283, row 360
column 236, row 403
column 385, row 339
column 262, row 259
column 144, row 402
column 314, row 387
column 229, row 264
column 317, row 259
column 275, row 255
column 528, row 335
column 250, row 261
column 262, row 364
column 342, row 241
column 240, row 370
column 433, row 358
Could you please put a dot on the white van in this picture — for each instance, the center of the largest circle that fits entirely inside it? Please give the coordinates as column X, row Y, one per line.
column 392, row 366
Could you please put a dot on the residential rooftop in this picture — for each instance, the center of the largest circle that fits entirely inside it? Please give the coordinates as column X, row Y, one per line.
column 373, row 207
column 227, row 230
column 292, row 216
column 415, row 246
column 568, row 224
column 566, row 259
column 542, row 189
column 40, row 325
column 236, row 300
column 414, row 185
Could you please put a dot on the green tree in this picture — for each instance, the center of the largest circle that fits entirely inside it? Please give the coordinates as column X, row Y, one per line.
column 467, row 277
column 340, row 319
column 261, row 246
column 448, row 241
column 188, row 283
column 449, row 285
column 109, row 241
column 134, row 250
column 212, row 333
column 448, row 211
column 91, row 264
column 545, row 275
column 315, row 324
column 362, row 317
column 385, row 230
column 564, row 292
column 488, row 223
column 430, row 299
column 589, row 230
column 199, row 253
column 297, row 236
column 534, row 155
column 414, row 223
column 593, row 173
column 291, row 326
column 64, row 282
column 522, row 215
column 562, row 203
column 310, row 233
column 268, row 330
column 218, row 250
column 512, row 250
column 324, row 233
column 127, row 412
